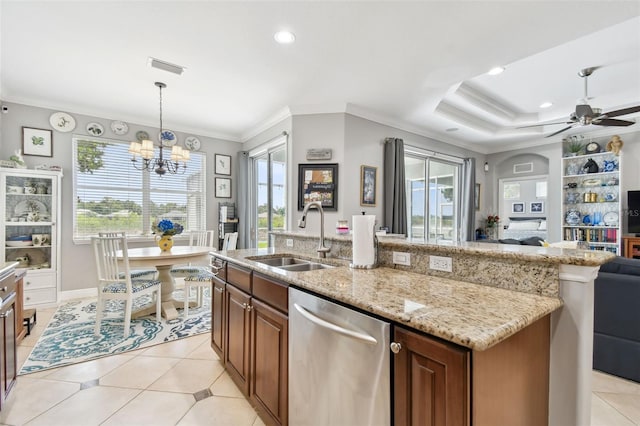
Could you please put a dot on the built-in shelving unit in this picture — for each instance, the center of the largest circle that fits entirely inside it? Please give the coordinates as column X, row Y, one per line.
column 591, row 208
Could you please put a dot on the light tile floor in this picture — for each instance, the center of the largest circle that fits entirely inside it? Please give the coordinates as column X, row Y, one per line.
column 183, row 383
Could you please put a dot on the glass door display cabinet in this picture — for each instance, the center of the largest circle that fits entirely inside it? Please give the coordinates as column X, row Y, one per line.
column 591, row 198
column 30, row 206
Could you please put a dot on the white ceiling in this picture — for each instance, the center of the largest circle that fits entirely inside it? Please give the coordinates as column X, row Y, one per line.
column 416, row 65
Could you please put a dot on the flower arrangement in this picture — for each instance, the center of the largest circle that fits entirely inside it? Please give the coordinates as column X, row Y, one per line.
column 492, row 220
column 166, row 227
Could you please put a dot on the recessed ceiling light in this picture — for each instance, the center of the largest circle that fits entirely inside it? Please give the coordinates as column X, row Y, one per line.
column 284, row 37
column 452, row 129
column 546, row 104
column 495, row 71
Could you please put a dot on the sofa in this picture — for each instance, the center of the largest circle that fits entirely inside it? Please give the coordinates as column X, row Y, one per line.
column 616, row 326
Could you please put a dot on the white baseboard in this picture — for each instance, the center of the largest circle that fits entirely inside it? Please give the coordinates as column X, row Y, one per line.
column 78, row 294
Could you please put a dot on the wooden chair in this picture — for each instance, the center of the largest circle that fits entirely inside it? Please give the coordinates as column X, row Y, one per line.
column 195, row 276
column 115, row 281
column 136, row 273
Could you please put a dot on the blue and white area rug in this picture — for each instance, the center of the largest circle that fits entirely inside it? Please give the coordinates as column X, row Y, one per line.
column 69, row 337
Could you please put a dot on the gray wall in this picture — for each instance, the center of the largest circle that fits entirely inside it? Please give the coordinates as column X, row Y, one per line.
column 78, row 267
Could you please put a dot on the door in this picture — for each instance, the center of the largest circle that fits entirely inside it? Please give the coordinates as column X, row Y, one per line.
column 270, row 189
column 431, row 381
column 433, row 198
column 237, row 350
column 269, row 340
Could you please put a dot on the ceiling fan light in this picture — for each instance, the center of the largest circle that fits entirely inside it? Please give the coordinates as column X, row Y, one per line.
column 496, row 70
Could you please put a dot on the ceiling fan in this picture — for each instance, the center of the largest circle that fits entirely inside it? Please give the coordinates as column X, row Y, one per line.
column 585, row 114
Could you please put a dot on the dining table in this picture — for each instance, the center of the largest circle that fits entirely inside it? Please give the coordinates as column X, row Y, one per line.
column 163, row 261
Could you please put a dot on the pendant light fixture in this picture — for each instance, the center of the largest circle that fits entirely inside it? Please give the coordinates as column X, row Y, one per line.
column 160, row 165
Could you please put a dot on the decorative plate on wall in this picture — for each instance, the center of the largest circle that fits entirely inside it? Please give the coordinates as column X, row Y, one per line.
column 610, row 218
column 119, row 127
column 141, row 135
column 168, row 138
column 62, row 122
column 192, row 143
column 573, row 217
column 95, row 129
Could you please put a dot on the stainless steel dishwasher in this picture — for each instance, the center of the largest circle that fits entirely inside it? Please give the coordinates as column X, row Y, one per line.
column 339, row 364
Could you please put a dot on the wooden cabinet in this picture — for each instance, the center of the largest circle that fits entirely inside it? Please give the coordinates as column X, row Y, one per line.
column 438, row 383
column 249, row 331
column 21, row 330
column 8, row 362
column 269, row 362
column 237, row 351
column 631, row 247
column 218, row 318
column 431, row 381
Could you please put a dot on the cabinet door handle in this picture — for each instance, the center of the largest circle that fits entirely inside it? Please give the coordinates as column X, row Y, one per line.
column 249, row 307
column 244, row 306
column 395, row 347
column 220, row 289
column 6, row 314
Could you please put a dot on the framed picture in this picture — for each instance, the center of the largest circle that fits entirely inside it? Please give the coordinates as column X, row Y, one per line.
column 223, row 187
column 517, row 207
column 476, row 197
column 223, row 164
column 536, row 207
column 318, row 182
column 368, row 185
column 37, row 142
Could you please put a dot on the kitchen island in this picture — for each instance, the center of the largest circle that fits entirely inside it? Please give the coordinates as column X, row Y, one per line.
column 464, row 306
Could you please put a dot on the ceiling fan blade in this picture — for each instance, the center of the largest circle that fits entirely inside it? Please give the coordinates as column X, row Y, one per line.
column 612, row 122
column 623, row 111
column 544, row 124
column 584, row 110
column 559, row 131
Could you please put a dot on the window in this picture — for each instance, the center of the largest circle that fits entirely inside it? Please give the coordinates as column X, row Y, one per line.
column 269, row 189
column 433, row 193
column 111, row 195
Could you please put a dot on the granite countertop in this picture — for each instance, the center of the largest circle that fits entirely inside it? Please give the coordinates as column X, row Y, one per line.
column 545, row 255
column 471, row 315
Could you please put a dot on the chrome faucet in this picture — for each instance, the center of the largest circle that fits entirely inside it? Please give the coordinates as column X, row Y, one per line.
column 302, row 223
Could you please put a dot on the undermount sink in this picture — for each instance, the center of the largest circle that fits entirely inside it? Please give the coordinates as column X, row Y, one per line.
column 293, row 264
column 281, row 261
column 311, row 266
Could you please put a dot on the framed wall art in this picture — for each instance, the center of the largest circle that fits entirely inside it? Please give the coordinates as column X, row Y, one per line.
column 517, row 207
column 368, row 185
column 536, row 207
column 476, row 197
column 223, row 164
column 38, row 142
column 318, row 182
column 223, row 187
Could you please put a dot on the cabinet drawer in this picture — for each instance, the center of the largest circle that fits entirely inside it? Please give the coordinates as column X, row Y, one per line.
column 39, row 281
column 219, row 266
column 240, row 277
column 7, row 286
column 272, row 292
column 39, row 296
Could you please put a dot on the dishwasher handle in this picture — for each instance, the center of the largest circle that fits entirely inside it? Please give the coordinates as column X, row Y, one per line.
column 336, row 328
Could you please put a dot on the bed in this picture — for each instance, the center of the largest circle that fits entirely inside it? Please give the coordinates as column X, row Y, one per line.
column 520, row 228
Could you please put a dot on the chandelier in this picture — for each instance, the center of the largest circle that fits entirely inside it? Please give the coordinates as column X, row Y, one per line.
column 145, row 150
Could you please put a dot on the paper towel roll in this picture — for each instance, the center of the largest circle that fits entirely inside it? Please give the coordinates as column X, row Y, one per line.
column 363, row 248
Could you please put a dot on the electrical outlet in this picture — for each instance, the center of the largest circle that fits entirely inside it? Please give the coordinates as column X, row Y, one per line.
column 440, row 263
column 289, row 242
column 402, row 258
